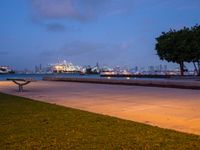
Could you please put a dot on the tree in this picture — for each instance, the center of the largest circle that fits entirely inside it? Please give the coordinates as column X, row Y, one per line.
column 195, row 48
column 180, row 46
column 172, row 46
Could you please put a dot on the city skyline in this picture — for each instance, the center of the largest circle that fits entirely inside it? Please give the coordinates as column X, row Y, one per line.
column 111, row 32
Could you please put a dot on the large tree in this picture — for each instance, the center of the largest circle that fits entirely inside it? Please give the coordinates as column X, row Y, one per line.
column 180, row 46
column 172, row 46
column 195, row 48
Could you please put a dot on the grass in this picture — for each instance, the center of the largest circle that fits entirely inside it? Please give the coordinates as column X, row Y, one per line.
column 28, row 124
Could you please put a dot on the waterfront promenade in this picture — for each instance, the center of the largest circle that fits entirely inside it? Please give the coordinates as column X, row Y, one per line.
column 177, row 109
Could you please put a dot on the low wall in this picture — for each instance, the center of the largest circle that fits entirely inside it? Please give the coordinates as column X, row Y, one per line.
column 150, row 82
column 135, row 76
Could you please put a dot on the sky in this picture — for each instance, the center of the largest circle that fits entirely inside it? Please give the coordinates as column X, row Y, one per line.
column 111, row 32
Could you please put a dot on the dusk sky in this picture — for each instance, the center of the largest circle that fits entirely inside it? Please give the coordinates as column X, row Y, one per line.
column 111, row 32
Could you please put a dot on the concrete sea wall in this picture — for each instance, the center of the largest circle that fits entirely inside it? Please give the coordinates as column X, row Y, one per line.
column 165, row 83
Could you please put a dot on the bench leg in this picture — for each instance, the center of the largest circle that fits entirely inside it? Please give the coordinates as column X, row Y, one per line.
column 20, row 88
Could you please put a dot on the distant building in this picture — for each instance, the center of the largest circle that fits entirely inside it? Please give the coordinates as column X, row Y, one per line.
column 39, row 69
column 151, row 69
column 65, row 67
column 165, row 68
column 136, row 69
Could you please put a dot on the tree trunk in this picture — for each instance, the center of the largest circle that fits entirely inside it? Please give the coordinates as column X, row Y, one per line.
column 181, row 68
column 195, row 68
column 198, row 70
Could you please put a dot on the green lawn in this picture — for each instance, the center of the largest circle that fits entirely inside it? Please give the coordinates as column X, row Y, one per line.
column 27, row 124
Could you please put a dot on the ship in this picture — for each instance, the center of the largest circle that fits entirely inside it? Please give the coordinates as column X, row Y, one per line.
column 90, row 70
column 65, row 67
column 5, row 70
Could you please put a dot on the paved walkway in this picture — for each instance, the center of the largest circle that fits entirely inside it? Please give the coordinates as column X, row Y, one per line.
column 177, row 109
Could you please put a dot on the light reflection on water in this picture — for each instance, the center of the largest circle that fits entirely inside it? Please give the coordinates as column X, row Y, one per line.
column 71, row 75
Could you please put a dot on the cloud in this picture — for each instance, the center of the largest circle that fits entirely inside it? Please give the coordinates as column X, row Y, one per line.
column 53, row 8
column 78, row 10
column 81, row 47
column 182, row 5
column 75, row 48
column 53, row 14
column 55, row 27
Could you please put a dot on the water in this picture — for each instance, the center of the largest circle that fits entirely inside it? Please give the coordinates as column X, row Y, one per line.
column 3, row 77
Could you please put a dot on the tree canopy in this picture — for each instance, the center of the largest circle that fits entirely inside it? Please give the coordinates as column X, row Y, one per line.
column 180, row 46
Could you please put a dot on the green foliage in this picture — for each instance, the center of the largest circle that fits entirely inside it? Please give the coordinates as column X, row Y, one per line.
column 196, row 43
column 28, row 124
column 179, row 46
column 172, row 45
column 195, row 48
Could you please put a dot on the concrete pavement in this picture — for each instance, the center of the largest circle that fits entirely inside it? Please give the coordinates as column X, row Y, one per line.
column 177, row 109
